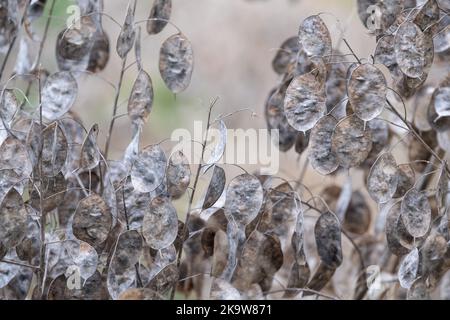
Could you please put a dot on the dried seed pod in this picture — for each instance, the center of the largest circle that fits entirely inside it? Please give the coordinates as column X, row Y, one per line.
column 141, row 98
column 286, row 55
column 416, row 213
column 407, row 273
column 367, row 89
column 357, row 218
column 148, row 169
column 222, row 290
column 261, row 258
column 396, row 233
column 176, row 62
column 283, row 200
column 428, row 14
column 52, row 190
column 351, row 141
column 14, row 156
column 127, row 35
column 90, row 152
column 214, row 154
column 322, row 158
column 406, row 179
column 383, row 178
column 244, row 199
column 419, row 290
column 298, row 278
column 74, row 45
column 165, row 279
column 9, row 23
column 58, row 94
column 215, row 187
column 160, row 225
column 276, row 119
column 8, row 105
column 305, row 102
column 92, row 289
column 92, row 220
column 315, row 37
column 159, row 16
column 122, row 269
column 387, row 11
column 442, row 191
column 302, row 141
column 327, row 232
column 178, row 175
column 100, row 52
column 13, row 218
column 410, row 50
column 54, row 150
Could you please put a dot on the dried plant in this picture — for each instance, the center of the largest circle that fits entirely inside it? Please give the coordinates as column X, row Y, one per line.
column 76, row 225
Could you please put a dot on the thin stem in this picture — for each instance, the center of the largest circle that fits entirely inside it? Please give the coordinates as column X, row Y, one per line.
column 17, row 263
column 191, row 199
column 116, row 101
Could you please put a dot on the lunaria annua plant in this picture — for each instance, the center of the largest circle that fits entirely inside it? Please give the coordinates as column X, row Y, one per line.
column 75, row 224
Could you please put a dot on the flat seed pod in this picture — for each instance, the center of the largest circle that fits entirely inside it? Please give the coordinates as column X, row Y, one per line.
column 385, row 54
column 176, row 62
column 305, row 102
column 284, row 209
column 127, row 35
column 58, row 95
column 441, row 38
column 321, row 277
column 322, row 158
column 14, row 156
column 389, row 10
column 419, row 290
column 90, row 152
column 54, row 150
column 165, row 279
column 83, row 256
column 92, row 289
column 286, row 55
column 218, row 147
column 141, row 98
column 223, row 290
column 261, row 258
column 441, row 99
column 302, row 141
column 74, row 45
column 428, row 14
column 215, row 187
column 161, row 9
column 406, row 179
column 100, row 52
column 351, row 141
column 442, row 191
column 244, row 199
column 358, row 216
column 122, row 269
column 410, row 50
column 367, row 89
column 8, row 271
column 92, row 220
column 315, row 37
column 9, row 179
column 383, row 178
column 416, row 213
column 178, row 175
column 407, row 273
column 8, row 105
column 160, row 226
column 13, row 218
column 276, row 119
column 298, row 278
column 327, row 232
column 149, row 169
column 53, row 191
column 396, row 231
